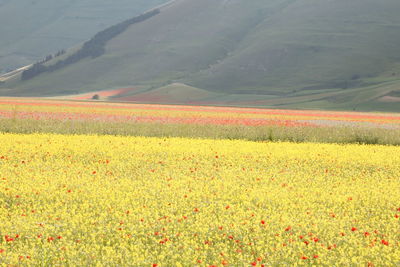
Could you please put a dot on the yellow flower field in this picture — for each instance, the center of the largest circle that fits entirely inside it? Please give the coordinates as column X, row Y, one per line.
column 108, row 201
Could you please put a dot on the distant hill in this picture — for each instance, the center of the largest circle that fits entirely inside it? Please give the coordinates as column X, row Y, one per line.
column 331, row 54
column 32, row 29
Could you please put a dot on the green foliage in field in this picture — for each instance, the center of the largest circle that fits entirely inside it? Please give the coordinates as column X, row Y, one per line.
column 344, row 135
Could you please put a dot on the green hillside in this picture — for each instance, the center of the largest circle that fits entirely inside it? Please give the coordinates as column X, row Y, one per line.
column 331, row 54
column 32, row 29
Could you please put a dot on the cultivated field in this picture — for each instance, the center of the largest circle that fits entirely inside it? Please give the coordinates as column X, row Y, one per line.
column 88, row 183
column 72, row 117
column 87, row 200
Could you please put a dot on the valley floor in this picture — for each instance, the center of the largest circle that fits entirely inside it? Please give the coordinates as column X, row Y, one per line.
column 91, row 183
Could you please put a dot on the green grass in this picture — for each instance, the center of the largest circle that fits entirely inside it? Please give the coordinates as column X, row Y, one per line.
column 342, row 135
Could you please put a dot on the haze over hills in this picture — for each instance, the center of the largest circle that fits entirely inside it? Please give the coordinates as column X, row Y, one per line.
column 332, row 54
column 32, row 29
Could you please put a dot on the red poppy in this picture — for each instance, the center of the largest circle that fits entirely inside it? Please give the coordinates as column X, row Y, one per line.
column 384, row 242
column 8, row 238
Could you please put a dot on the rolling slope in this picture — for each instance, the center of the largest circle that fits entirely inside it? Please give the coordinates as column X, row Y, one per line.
column 33, row 29
column 331, row 54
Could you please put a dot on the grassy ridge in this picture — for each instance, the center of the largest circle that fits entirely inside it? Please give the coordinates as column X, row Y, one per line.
column 369, row 98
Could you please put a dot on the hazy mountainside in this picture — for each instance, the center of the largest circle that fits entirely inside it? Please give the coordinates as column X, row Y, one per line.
column 335, row 54
column 32, row 29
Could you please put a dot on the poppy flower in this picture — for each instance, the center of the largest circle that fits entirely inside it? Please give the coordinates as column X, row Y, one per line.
column 8, row 238
column 384, row 242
